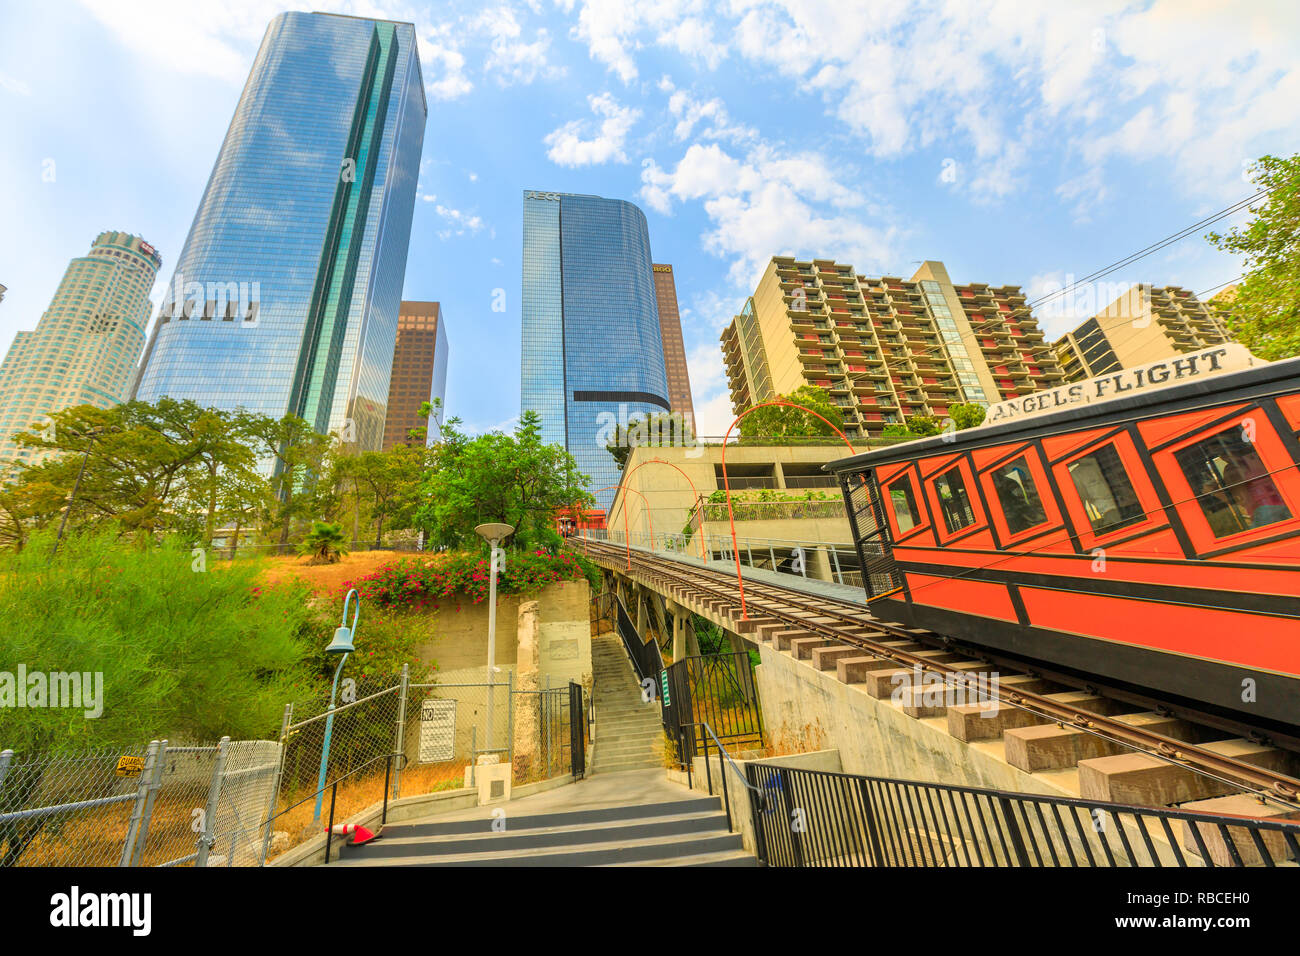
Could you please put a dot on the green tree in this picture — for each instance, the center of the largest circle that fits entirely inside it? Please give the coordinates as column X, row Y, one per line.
column 1264, row 314
column 923, row 425
column 966, row 415
column 298, row 455
column 665, row 428
column 516, row 479
column 137, row 462
column 387, row 481
column 778, row 421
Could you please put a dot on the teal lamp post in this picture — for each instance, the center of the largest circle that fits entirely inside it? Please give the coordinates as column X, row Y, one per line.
column 341, row 645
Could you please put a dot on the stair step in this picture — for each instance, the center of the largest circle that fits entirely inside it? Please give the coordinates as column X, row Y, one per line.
column 726, row 858
column 390, row 847
column 589, row 816
column 598, row 854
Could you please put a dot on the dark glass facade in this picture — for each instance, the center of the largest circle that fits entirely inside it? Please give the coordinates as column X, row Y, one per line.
column 593, row 354
column 287, row 291
column 419, row 374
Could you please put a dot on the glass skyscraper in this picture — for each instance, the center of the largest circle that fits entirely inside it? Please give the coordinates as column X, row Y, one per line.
column 593, row 355
column 287, row 290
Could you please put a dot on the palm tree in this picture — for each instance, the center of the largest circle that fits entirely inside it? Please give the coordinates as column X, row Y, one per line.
column 324, row 543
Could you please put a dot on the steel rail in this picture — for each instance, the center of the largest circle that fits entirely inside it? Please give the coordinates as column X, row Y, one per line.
column 1263, row 783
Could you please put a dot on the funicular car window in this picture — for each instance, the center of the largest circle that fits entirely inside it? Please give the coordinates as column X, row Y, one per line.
column 954, row 502
column 1018, row 496
column 1231, row 483
column 1108, row 496
column 903, row 504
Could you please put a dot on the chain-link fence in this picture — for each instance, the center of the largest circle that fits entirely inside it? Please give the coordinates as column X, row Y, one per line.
column 161, row 805
column 241, row 803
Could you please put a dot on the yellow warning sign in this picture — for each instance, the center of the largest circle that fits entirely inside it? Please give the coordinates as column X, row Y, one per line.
column 130, row 766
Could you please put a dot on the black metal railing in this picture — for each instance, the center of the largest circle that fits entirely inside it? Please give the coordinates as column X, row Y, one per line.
column 577, row 731
column 645, row 654
column 332, row 786
column 714, row 689
column 819, row 818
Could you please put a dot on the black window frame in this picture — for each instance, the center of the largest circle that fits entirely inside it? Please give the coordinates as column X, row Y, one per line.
column 1123, row 521
column 1028, row 484
column 965, row 498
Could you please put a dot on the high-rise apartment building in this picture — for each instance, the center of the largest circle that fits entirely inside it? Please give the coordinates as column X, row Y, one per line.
column 419, row 374
column 884, row 348
column 1144, row 324
column 593, row 352
column 670, row 328
column 286, row 293
column 84, row 348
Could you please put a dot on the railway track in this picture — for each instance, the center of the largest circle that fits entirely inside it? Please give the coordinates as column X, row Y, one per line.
column 852, row 625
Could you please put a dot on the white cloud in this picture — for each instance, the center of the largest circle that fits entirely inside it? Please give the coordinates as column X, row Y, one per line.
column 458, row 223
column 568, row 147
column 1196, row 87
column 769, row 204
column 13, row 85
column 208, row 40
column 610, row 30
column 710, row 115
column 511, row 59
column 714, row 413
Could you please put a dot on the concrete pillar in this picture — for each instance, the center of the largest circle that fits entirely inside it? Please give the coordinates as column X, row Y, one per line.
column 820, row 568
column 527, row 676
column 685, row 643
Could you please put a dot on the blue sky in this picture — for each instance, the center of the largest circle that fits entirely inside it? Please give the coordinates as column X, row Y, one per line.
column 1019, row 143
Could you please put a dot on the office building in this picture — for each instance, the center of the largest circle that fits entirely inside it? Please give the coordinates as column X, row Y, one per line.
column 1143, row 324
column 286, row 294
column 419, row 374
column 884, row 348
column 84, row 348
column 670, row 328
column 592, row 351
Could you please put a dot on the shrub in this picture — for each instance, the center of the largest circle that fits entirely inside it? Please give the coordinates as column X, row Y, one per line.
column 418, row 582
column 189, row 648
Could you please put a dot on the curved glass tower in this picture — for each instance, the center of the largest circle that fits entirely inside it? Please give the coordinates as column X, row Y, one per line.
column 286, row 293
column 84, row 347
column 593, row 354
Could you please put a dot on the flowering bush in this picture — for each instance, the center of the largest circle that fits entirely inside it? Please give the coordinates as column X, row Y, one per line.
column 415, row 583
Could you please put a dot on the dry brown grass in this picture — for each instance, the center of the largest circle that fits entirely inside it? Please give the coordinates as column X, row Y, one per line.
column 328, row 578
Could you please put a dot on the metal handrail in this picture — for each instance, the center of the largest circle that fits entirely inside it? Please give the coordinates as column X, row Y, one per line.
column 758, row 801
column 333, row 787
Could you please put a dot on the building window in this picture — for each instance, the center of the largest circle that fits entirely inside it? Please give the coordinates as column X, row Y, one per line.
column 954, row 502
column 904, row 505
column 1021, row 506
column 1231, row 484
column 1108, row 496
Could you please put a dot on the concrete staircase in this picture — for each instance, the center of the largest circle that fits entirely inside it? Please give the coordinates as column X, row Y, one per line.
column 629, row 733
column 682, row 832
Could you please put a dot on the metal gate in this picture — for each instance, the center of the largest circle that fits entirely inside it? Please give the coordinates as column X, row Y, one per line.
column 717, row 689
column 577, row 728
column 867, row 523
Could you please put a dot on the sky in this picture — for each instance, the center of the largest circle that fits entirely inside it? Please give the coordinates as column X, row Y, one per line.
column 1019, row 143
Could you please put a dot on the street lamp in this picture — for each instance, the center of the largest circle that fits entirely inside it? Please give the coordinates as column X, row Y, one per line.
column 493, row 533
column 341, row 645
